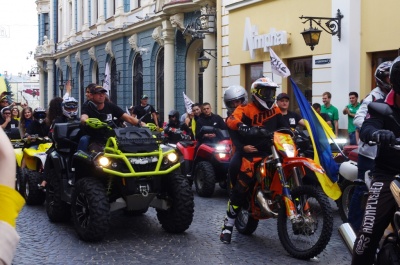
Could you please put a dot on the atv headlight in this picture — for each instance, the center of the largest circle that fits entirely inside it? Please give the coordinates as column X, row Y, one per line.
column 104, row 161
column 172, row 157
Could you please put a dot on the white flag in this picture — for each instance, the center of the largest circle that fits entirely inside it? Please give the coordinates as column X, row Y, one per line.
column 277, row 66
column 107, row 81
column 188, row 103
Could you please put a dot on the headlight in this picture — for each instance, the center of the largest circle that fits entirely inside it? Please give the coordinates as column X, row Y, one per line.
column 104, row 161
column 172, row 157
column 338, row 141
column 220, row 148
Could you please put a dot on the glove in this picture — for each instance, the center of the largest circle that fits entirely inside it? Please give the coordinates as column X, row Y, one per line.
column 384, row 137
column 244, row 128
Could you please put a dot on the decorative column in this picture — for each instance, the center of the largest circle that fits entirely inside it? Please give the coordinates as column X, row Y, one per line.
column 101, row 19
column 85, row 26
column 119, row 14
column 169, row 67
column 209, row 75
column 50, row 84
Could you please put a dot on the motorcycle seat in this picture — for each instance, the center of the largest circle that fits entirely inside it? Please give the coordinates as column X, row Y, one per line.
column 187, row 143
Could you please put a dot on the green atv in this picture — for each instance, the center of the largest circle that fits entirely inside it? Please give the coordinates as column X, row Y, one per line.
column 133, row 171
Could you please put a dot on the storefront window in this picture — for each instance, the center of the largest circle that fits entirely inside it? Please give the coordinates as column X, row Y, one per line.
column 253, row 72
column 301, row 73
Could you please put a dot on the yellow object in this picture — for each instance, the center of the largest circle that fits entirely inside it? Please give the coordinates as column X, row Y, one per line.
column 332, row 190
column 3, row 86
column 11, row 203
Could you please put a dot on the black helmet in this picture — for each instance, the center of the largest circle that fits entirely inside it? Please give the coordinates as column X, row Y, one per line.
column 174, row 113
column 381, row 73
column 39, row 114
column 394, row 75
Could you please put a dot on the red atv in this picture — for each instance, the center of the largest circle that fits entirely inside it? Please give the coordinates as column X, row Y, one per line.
column 208, row 163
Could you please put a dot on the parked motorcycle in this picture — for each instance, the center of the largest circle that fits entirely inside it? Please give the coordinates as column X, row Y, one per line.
column 305, row 220
column 389, row 248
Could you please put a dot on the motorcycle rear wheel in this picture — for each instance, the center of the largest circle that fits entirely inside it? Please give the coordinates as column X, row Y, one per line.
column 309, row 236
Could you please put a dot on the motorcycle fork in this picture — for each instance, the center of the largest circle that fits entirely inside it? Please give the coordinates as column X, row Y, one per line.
column 287, row 198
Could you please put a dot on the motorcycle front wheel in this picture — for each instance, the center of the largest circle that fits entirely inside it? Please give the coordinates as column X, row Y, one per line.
column 309, row 232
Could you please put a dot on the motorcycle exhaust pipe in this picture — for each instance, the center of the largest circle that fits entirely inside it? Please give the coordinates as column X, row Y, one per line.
column 348, row 236
column 264, row 205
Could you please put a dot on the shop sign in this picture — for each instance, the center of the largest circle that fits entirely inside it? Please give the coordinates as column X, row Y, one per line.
column 323, row 61
column 252, row 40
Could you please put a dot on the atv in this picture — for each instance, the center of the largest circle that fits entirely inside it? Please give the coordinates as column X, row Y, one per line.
column 133, row 171
column 208, row 163
column 33, row 150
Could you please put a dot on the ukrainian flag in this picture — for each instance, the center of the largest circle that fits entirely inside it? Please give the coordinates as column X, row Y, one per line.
column 319, row 132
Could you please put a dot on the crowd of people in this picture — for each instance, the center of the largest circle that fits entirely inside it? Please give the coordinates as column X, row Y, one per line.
column 265, row 110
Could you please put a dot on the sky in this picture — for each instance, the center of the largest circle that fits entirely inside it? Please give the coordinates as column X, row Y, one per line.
column 19, row 20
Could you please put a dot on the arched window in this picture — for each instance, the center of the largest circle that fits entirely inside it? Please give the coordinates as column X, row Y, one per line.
column 160, row 83
column 137, row 82
column 114, row 82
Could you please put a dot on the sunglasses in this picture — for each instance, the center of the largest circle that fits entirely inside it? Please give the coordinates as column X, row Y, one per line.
column 7, row 113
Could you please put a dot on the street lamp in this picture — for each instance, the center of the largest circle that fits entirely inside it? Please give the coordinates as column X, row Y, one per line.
column 203, row 63
column 332, row 26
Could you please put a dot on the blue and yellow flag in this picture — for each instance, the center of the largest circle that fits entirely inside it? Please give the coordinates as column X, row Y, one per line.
column 319, row 132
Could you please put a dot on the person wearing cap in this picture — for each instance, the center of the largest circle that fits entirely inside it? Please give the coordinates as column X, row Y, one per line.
column 139, row 111
column 294, row 119
column 4, row 102
column 98, row 97
column 7, row 122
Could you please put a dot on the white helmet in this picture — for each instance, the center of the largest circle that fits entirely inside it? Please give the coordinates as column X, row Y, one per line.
column 233, row 93
column 263, row 93
column 70, row 107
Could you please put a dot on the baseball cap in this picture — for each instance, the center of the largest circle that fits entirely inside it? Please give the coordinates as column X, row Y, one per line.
column 282, row 95
column 97, row 89
column 144, row 96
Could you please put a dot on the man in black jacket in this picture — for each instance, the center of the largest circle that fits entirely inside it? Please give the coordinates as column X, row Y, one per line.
column 381, row 205
column 207, row 118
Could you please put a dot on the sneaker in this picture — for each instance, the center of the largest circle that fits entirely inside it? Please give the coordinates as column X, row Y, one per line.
column 226, row 234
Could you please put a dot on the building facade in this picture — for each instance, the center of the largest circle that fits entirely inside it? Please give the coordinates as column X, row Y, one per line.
column 133, row 47
column 249, row 28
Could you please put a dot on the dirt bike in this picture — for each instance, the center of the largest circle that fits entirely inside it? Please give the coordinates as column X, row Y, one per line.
column 29, row 178
column 389, row 248
column 132, row 171
column 209, row 163
column 304, row 213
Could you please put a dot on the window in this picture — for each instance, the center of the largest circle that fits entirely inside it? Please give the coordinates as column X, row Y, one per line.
column 377, row 59
column 137, row 82
column 253, row 72
column 301, row 73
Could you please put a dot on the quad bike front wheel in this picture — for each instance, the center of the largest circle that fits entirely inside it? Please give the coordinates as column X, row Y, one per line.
column 57, row 210
column 30, row 189
column 309, row 232
column 90, row 209
column 204, row 179
column 180, row 198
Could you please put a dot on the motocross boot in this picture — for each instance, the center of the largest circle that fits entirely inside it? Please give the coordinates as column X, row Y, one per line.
column 229, row 221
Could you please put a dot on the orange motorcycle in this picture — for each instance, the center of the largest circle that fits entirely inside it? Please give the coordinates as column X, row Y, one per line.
column 304, row 213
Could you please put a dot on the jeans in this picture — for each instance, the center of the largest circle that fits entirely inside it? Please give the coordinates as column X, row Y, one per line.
column 84, row 143
column 352, row 138
column 355, row 208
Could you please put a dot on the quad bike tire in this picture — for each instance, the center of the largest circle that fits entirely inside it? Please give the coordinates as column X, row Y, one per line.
column 179, row 216
column 90, row 209
column 306, row 251
column 29, row 186
column 204, row 179
column 245, row 223
column 57, row 210
column 347, row 187
column 19, row 180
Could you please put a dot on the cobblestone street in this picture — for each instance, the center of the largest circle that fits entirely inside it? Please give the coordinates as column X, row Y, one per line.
column 141, row 240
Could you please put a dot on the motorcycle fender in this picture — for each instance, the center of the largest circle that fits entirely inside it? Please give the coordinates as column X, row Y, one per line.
column 204, row 151
column 349, row 170
column 187, row 152
column 19, row 154
column 57, row 161
column 302, row 161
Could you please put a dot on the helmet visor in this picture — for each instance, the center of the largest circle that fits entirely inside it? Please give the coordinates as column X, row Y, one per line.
column 40, row 116
column 265, row 93
column 70, row 105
